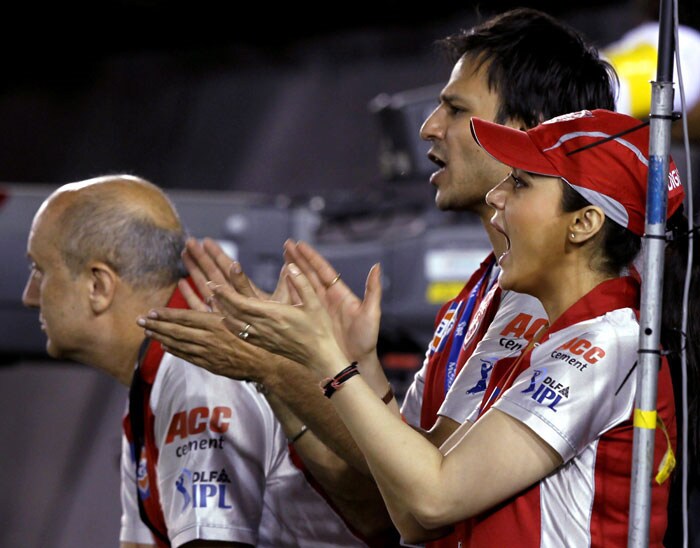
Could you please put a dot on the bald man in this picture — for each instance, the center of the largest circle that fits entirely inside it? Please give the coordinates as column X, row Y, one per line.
column 204, row 461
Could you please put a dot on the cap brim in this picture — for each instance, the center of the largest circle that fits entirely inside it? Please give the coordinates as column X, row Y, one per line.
column 511, row 147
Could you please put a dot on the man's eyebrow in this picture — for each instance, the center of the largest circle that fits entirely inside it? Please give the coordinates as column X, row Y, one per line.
column 458, row 101
column 450, row 98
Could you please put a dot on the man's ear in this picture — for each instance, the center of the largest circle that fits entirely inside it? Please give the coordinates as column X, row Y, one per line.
column 103, row 286
column 586, row 223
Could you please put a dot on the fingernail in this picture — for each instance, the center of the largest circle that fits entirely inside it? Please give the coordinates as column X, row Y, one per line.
column 293, row 269
column 212, row 285
column 148, row 333
column 141, row 322
column 236, row 267
column 153, row 314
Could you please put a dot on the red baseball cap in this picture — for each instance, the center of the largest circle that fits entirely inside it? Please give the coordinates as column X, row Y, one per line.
column 611, row 174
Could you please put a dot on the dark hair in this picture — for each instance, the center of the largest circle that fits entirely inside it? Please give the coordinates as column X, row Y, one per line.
column 619, row 245
column 539, row 67
column 674, row 342
column 675, row 267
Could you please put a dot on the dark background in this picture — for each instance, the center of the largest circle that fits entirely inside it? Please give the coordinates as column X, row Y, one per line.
column 224, row 95
column 268, row 102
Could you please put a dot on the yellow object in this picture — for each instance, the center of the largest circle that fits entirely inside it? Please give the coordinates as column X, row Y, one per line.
column 668, row 463
column 645, row 419
column 636, row 68
column 440, row 292
column 649, row 420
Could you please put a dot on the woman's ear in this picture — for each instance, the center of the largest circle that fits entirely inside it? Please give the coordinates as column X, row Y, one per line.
column 103, row 286
column 586, row 223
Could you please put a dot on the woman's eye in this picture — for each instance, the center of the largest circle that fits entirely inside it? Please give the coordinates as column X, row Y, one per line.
column 519, row 183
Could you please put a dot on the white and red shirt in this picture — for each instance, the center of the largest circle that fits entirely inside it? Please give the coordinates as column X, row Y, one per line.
column 459, row 325
column 576, row 391
column 518, row 319
column 472, row 331
column 205, row 458
column 501, row 326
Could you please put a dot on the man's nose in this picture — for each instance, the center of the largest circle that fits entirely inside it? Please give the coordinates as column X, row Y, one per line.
column 432, row 127
column 30, row 295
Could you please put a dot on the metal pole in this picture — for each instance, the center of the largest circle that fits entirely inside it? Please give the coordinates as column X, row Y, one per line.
column 652, row 283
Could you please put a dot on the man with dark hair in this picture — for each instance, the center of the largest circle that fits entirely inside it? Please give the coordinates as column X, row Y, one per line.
column 518, row 68
column 204, row 461
column 536, row 64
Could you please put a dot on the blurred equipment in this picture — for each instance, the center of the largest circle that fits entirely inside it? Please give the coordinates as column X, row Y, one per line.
column 402, row 153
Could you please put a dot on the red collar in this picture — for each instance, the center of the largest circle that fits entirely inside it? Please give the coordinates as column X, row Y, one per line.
column 609, row 295
column 152, row 352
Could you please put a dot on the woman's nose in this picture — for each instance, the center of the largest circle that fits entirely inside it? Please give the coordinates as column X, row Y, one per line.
column 496, row 196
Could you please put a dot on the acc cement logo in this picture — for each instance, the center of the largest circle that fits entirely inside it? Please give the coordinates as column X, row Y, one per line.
column 203, row 489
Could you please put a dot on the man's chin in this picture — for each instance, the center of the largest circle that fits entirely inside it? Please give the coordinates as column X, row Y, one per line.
column 442, row 201
column 52, row 351
column 447, row 204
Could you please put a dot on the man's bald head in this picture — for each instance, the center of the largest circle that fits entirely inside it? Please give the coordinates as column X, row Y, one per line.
column 124, row 221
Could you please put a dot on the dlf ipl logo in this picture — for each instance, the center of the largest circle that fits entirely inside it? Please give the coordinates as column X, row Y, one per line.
column 203, row 489
column 546, row 391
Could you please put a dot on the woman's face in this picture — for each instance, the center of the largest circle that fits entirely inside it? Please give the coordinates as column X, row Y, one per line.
column 529, row 213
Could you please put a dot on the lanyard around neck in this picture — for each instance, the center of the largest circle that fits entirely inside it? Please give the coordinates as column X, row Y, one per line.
column 481, row 288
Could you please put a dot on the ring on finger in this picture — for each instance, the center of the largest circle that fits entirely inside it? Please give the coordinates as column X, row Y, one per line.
column 243, row 334
column 333, row 281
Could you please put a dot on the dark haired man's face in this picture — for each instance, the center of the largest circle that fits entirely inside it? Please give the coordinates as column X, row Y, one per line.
column 466, row 172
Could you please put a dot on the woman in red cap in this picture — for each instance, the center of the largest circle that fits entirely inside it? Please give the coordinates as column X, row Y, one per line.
column 546, row 459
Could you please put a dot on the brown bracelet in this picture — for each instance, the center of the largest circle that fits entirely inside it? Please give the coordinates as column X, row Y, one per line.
column 388, row 396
